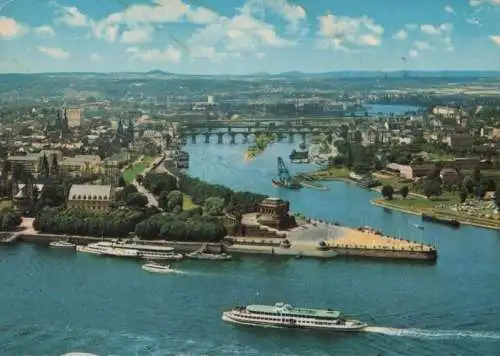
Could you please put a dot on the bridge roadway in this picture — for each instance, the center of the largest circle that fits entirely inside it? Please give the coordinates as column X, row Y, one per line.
column 284, row 122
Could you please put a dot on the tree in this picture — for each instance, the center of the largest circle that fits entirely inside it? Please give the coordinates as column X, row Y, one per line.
column 139, row 179
column 121, row 181
column 480, row 191
column 387, row 192
column 476, row 175
column 496, row 198
column 213, row 206
column 136, row 200
column 55, row 165
column 463, row 196
column 404, row 191
column 468, row 184
column 174, row 201
column 432, row 188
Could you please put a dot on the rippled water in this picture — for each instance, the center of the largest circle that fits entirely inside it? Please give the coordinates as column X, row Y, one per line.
column 55, row 301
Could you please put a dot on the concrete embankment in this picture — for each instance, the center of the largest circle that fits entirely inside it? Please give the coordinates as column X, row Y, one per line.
column 387, row 205
column 295, row 251
column 180, row 246
column 361, row 252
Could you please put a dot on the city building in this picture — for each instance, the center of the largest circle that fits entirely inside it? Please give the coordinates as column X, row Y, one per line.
column 82, row 164
column 459, row 141
column 411, row 171
column 75, row 118
column 90, row 197
column 273, row 212
column 449, row 176
column 31, row 161
column 446, row 111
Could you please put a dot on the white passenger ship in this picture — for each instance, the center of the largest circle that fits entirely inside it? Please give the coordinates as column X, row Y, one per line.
column 144, row 251
column 285, row 316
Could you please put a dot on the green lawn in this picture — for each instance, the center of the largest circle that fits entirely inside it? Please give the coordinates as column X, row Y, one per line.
column 132, row 172
column 187, row 203
column 5, row 204
column 331, row 173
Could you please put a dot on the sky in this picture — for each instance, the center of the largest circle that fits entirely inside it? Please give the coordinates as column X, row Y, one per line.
column 248, row 36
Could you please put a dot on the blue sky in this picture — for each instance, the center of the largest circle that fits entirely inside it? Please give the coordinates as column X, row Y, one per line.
column 248, row 36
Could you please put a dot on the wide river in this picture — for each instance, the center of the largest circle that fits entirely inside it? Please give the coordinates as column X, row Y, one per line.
column 56, row 301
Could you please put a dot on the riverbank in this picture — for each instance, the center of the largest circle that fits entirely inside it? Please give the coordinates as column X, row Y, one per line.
column 440, row 213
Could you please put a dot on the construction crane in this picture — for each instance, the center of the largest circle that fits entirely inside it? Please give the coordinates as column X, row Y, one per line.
column 284, row 180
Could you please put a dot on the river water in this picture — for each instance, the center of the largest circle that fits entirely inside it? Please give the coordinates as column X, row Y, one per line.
column 56, row 301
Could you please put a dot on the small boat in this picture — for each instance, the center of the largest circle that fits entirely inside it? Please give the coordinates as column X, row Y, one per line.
column 158, row 268
column 418, row 226
column 157, row 256
column 62, row 244
column 283, row 315
column 208, row 256
column 450, row 222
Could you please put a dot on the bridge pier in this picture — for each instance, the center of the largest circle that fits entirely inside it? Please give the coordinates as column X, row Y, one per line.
column 280, row 136
column 193, row 138
column 220, row 136
column 245, row 137
column 303, row 134
column 207, row 138
column 290, row 137
column 233, row 138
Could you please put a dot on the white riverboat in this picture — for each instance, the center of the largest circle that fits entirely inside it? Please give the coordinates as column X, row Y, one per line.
column 98, row 251
column 285, row 316
column 144, row 251
column 62, row 244
column 208, row 256
column 158, row 268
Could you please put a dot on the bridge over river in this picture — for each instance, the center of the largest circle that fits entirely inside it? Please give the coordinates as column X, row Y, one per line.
column 250, row 130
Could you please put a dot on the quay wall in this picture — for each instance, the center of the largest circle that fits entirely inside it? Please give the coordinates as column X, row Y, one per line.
column 180, row 246
column 389, row 254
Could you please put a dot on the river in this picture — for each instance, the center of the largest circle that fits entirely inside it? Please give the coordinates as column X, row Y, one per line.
column 55, row 301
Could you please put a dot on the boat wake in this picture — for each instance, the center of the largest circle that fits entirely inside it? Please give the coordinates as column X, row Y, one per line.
column 434, row 334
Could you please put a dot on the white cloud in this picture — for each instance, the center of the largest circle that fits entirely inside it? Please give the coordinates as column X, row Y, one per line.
column 54, row 52
column 439, row 35
column 400, row 35
column 45, row 31
column 334, row 31
column 95, row 57
column 413, row 53
column 170, row 54
column 10, row 28
column 202, row 15
column 71, row 16
column 105, row 32
column 138, row 35
column 229, row 37
column 475, row 3
column 473, row 21
column 449, row 9
column 495, row 39
column 294, row 15
column 422, row 45
column 260, row 55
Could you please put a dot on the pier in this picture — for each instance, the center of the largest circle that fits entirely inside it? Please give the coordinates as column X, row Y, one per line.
column 324, row 240
column 8, row 238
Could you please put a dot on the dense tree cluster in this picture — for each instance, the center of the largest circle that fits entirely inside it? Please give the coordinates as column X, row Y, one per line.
column 157, row 183
column 185, row 226
column 113, row 223
column 9, row 220
column 235, row 202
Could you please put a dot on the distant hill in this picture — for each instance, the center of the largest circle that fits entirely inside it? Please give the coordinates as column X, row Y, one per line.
column 291, row 74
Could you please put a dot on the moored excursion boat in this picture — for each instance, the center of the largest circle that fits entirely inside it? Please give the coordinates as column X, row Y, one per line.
column 158, row 268
column 62, row 244
column 197, row 255
column 93, row 250
column 143, row 251
column 285, row 316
